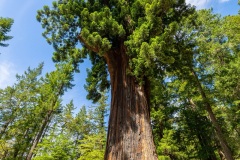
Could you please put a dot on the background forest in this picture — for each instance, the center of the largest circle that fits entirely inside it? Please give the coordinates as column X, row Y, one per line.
column 194, row 99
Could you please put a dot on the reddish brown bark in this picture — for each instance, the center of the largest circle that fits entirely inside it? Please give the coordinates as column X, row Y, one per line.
column 129, row 131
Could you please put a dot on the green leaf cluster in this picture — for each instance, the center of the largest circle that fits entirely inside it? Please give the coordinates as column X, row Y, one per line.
column 144, row 30
column 29, row 107
column 190, row 58
column 5, row 27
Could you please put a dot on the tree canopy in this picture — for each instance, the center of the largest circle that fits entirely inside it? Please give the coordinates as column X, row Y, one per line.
column 145, row 29
column 173, row 74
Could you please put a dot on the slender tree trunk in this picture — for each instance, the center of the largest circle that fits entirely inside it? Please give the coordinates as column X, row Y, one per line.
column 222, row 141
column 4, row 127
column 45, row 123
column 39, row 134
column 203, row 139
column 10, row 120
column 129, row 131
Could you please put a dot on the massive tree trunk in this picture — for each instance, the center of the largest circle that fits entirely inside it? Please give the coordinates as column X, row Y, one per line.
column 129, row 131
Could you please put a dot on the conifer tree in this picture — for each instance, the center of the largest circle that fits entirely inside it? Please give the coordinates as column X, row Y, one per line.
column 17, row 113
column 56, row 142
column 28, row 107
column 53, row 87
column 132, row 40
column 201, row 45
column 224, row 60
column 93, row 145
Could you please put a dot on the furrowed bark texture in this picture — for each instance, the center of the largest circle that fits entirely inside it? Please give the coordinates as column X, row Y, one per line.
column 129, row 132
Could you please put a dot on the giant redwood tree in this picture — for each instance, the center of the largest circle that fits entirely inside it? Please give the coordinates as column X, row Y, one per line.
column 132, row 41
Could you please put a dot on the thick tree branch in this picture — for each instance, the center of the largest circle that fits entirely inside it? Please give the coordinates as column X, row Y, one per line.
column 94, row 49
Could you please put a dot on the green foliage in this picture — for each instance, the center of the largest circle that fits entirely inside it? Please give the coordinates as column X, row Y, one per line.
column 227, row 80
column 191, row 60
column 97, row 79
column 59, row 142
column 55, row 147
column 5, row 27
column 212, row 52
column 17, row 113
column 92, row 147
column 160, row 45
column 167, row 147
column 143, row 29
column 70, row 137
column 28, row 108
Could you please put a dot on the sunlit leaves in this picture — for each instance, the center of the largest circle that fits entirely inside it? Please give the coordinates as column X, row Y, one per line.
column 5, row 27
column 103, row 27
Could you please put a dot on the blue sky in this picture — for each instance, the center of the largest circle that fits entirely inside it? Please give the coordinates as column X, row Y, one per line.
column 223, row 7
column 29, row 48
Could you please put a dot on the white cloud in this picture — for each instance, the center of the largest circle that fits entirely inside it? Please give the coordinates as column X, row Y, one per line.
column 7, row 74
column 199, row 3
